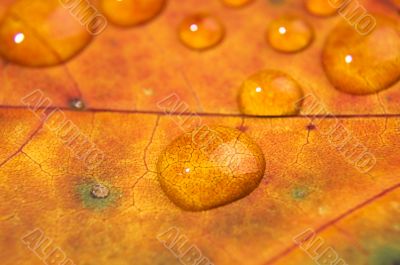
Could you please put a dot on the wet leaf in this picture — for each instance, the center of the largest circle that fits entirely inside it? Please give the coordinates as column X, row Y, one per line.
column 134, row 68
column 308, row 184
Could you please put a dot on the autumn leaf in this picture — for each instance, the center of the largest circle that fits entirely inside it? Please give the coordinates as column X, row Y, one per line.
column 82, row 187
column 135, row 68
column 308, row 184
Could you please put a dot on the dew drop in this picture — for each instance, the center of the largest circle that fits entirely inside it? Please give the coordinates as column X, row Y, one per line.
column 210, row 167
column 77, row 104
column 127, row 13
column 289, row 34
column 201, row 31
column 320, row 7
column 97, row 195
column 363, row 64
column 41, row 33
column 99, row 191
column 270, row 93
column 236, row 3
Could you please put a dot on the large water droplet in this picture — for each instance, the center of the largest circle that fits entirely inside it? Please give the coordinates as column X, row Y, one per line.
column 210, row 167
column 270, row 93
column 320, row 7
column 289, row 34
column 41, row 33
column 359, row 63
column 131, row 12
column 201, row 31
column 236, row 3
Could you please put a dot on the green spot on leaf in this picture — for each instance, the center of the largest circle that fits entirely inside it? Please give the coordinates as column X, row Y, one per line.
column 299, row 193
column 89, row 201
column 386, row 256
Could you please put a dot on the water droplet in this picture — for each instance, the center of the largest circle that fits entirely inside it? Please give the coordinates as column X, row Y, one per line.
column 320, row 7
column 201, row 31
column 99, row 191
column 77, row 104
column 289, row 34
column 41, row 33
column 131, row 12
column 270, row 93
column 236, row 3
column 363, row 64
column 210, row 167
column 97, row 196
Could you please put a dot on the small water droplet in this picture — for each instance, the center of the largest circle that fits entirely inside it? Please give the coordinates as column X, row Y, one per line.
column 236, row 3
column 99, row 191
column 131, row 12
column 77, row 104
column 289, row 34
column 270, row 92
column 210, row 167
column 201, row 31
column 31, row 33
column 320, row 7
column 363, row 64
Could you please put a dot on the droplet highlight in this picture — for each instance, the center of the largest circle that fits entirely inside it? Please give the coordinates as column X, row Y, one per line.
column 201, row 31
column 31, row 33
column 357, row 63
column 270, row 93
column 210, row 167
column 321, row 8
column 126, row 13
column 236, row 3
column 289, row 34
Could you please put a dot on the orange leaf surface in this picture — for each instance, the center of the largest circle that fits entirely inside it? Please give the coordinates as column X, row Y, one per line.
column 307, row 184
column 331, row 186
column 134, row 68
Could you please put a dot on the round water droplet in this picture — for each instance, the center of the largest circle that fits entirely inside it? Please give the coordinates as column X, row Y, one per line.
column 358, row 62
column 289, row 34
column 99, row 191
column 77, row 104
column 236, row 3
column 201, row 31
column 210, row 167
column 41, row 33
column 270, row 93
column 131, row 12
column 320, row 7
